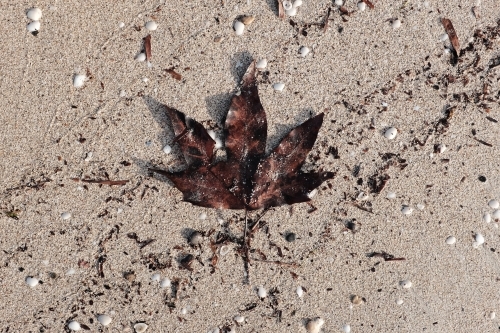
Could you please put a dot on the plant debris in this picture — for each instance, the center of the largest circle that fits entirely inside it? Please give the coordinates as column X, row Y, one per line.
column 386, row 256
column 173, row 73
column 448, row 27
column 147, row 47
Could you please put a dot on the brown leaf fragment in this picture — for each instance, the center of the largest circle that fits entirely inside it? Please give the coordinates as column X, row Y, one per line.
column 105, row 182
column 326, row 19
column 281, row 9
column 448, row 27
column 369, row 3
column 482, row 142
column 173, row 73
column 147, row 47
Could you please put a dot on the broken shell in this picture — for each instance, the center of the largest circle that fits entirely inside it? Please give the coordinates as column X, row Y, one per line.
column 314, row 326
column 247, row 20
column 34, row 14
column 451, row 240
column 31, row 281
column 406, row 284
column 239, row 28
column 140, row 57
column 300, row 291
column 391, row 195
column 196, row 238
column 346, row 328
column 479, row 239
column 79, row 80
column 261, row 292
column 151, row 26
column 291, row 12
column 361, row 6
column 224, row 249
column 357, row 300
column 494, row 204
column 239, row 319
column 261, row 64
column 496, row 214
column 104, row 319
column 140, row 327
column 391, row 132
column 304, row 51
column 287, row 5
column 407, row 210
column 339, row 2
column 74, row 326
column 442, row 148
column 121, row 25
column 399, row 301
column 487, row 217
column 167, row 149
column 155, row 277
column 165, row 283
column 66, row 216
column 297, row 3
column 279, row 86
column 33, row 26
column 396, row 24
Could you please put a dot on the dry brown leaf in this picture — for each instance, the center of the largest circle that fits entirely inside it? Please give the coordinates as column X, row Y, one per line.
column 174, row 74
column 369, row 4
column 147, row 47
column 448, row 27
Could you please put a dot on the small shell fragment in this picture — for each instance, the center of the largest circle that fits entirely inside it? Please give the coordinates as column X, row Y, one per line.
column 339, row 2
column 74, row 326
column 314, row 325
column 34, row 14
column 479, row 239
column 239, row 319
column 297, row 3
column 165, row 283
column 391, row 195
column 300, row 291
column 494, row 204
column 361, row 6
column 346, row 328
column 304, row 51
column 496, row 214
column 407, row 210
column 247, row 20
column 33, row 26
column 451, row 240
column 31, row 281
column 287, row 5
column 396, row 24
column 224, row 249
column 140, row 327
column 156, row 277
column 279, row 86
column 261, row 64
column 442, row 148
column 291, row 12
column 151, row 26
column 121, row 25
column 184, row 311
column 140, row 57
column 390, row 133
column 487, row 217
column 406, row 284
column 262, row 292
column 104, row 319
column 492, row 315
column 357, row 300
column 167, row 149
column 79, row 80
column 196, row 238
column 420, row 206
column 399, row 301
column 239, row 28
column 66, row 216
column 203, row 216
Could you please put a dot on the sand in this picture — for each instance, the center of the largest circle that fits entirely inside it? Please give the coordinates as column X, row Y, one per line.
column 359, row 62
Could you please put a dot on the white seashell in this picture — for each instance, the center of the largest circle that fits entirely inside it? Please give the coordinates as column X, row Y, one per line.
column 33, row 26
column 119, row 210
column 406, row 284
column 416, row 108
column 140, row 327
column 391, row 195
column 151, row 26
column 141, row 57
column 494, row 204
column 121, row 25
column 399, row 301
column 304, row 51
column 262, row 292
column 297, row 3
column 184, row 311
column 451, row 240
column 443, row 37
column 239, row 319
column 287, row 5
column 167, row 149
column 71, row 271
column 384, row 104
column 396, row 24
column 479, row 239
column 339, row 2
column 279, row 86
column 224, row 249
column 261, row 64
column 66, row 216
column 74, row 326
column 291, row 12
column 202, row 216
column 165, row 283
column 492, row 315
column 311, row 194
column 496, row 214
column 300, row 291
column 34, row 14
column 156, row 277
column 88, row 156
column 407, row 210
column 104, row 319
column 346, row 328
column 487, row 217
column 361, row 6
column 239, row 28
column 420, row 206
column 314, row 326
column 31, row 281
column 391, row 133
column 442, row 148
column 218, row 143
column 79, row 80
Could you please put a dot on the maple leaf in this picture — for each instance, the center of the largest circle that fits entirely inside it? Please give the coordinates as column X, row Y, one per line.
column 247, row 179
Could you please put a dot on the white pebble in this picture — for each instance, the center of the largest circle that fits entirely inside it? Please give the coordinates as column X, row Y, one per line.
column 261, row 64
column 300, row 291
column 311, row 194
column 287, row 5
column 71, row 271
column 218, row 143
column 314, row 326
column 407, row 210
column 121, row 25
column 239, row 319
column 291, row 12
column 487, row 217
column 151, row 26
column 184, row 311
column 346, row 328
column 420, row 206
column 104, row 319
column 224, row 249
column 88, row 156
column 145, row 80
column 140, row 57
column 33, row 26
column 384, row 104
column 339, row 2
column 66, row 216
column 361, row 6
column 279, row 86
column 391, row 133
column 156, row 277
column 79, row 80
column 262, row 292
column 496, row 214
column 34, row 14
column 479, row 241
column 399, row 301
column 442, row 148
column 391, row 195
column 416, row 108
column 31, row 281
column 443, row 37
column 494, row 204
column 451, row 240
column 304, row 51
column 165, row 283
column 239, row 28
column 167, row 149
column 74, row 326
column 119, row 210
column 202, row 216
column 396, row 24
column 406, row 284
column 140, row 327
column 297, row 3
column 492, row 315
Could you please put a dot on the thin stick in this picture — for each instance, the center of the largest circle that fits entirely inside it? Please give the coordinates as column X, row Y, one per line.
column 258, row 219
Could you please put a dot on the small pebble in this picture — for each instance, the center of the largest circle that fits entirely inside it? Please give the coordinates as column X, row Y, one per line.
column 304, row 51
column 239, row 319
column 494, row 204
column 184, row 311
column 79, row 80
column 156, row 277
column 88, row 156
column 196, row 238
column 443, row 37
column 167, row 149
column 361, row 6
column 287, row 5
column 492, row 315
column 420, row 206
column 34, row 14
column 33, row 26
column 218, row 39
column 66, row 216
column 314, row 326
column 140, row 327
column 151, row 26
column 239, row 28
column 31, row 281
column 261, row 64
column 311, row 194
column 71, row 271
column 442, row 148
column 121, row 25
column 165, row 283
column 346, row 328
column 291, row 237
column 129, row 276
column 105, row 320
column 203, row 216
column 74, row 326
column 357, row 300
column 479, row 239
column 247, row 20
column 262, row 292
column 391, row 195
column 391, row 133
column 396, row 24
column 224, row 249
column 416, row 108
column 496, row 214
column 297, row 3
column 141, row 57
column 451, row 240
column 279, row 86
column 339, row 2
column 407, row 210
column 291, row 12
column 384, row 104
column 300, row 291
column 399, row 301
column 487, row 217
column 406, row 284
